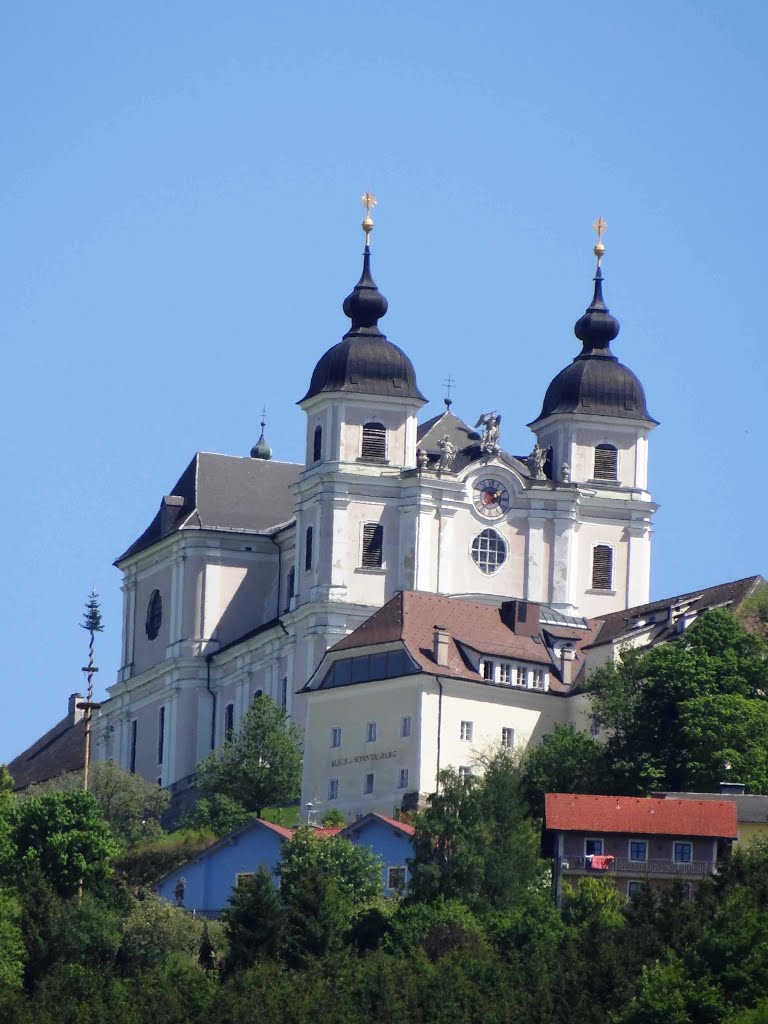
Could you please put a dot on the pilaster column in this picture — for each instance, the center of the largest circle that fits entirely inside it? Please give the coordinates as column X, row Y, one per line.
column 638, row 582
column 563, row 564
column 535, row 585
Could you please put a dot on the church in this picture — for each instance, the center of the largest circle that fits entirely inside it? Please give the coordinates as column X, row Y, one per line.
column 253, row 575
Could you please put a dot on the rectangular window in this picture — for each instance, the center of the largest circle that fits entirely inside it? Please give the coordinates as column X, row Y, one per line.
column 284, row 693
column 606, row 462
column 487, row 667
column 333, row 789
column 466, row 731
column 522, row 675
column 405, row 726
column 243, row 877
column 683, row 852
column 308, row 549
column 507, row 737
column 336, row 736
column 372, row 556
column 537, row 679
column 229, row 721
column 634, row 888
column 374, row 442
column 602, row 567
column 160, row 735
column 368, row 784
column 370, row 732
column 638, row 850
column 396, row 879
column 593, row 847
column 402, row 781
column 132, row 758
column 505, row 672
column 465, row 773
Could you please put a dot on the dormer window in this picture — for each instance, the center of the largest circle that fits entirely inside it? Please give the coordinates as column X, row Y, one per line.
column 606, row 462
column 374, row 443
column 602, row 567
column 317, row 444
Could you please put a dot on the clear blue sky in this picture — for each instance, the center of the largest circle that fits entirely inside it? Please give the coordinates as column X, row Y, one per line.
column 179, row 223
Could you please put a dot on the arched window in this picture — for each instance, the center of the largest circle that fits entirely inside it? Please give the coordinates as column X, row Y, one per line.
column 602, row 567
column 606, row 462
column 489, row 551
column 374, row 444
column 317, row 444
column 229, row 721
column 372, row 556
column 154, row 615
column 308, row 549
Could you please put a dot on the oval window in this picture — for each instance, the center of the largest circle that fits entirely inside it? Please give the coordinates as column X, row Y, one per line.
column 489, row 551
column 154, row 614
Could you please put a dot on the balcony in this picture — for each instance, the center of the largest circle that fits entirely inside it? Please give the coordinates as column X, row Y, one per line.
column 637, row 868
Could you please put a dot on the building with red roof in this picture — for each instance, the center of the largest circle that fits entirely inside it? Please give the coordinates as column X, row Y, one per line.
column 635, row 840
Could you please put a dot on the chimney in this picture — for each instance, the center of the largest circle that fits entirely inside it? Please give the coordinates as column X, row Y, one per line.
column 522, row 617
column 440, row 645
column 169, row 509
column 732, row 788
column 567, row 662
column 75, row 713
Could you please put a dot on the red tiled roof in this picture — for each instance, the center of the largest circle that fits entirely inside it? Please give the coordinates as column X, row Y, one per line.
column 403, row 826
column 326, row 833
column 576, row 812
column 286, row 833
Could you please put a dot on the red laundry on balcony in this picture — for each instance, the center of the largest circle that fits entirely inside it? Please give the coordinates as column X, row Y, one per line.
column 602, row 863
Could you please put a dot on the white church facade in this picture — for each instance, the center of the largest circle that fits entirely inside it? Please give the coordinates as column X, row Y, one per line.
column 252, row 569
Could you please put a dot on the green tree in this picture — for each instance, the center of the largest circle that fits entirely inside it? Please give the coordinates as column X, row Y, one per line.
column 64, row 836
column 475, row 842
column 255, row 922
column 651, row 702
column 567, row 760
column 354, row 870
column 317, row 916
column 218, row 814
column 669, row 996
column 154, row 930
column 131, row 806
column 12, row 951
column 261, row 765
column 333, row 819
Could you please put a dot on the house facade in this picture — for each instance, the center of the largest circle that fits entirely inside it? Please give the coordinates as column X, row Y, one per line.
column 632, row 841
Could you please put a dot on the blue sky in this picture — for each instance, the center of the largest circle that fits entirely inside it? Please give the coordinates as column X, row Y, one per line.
column 179, row 223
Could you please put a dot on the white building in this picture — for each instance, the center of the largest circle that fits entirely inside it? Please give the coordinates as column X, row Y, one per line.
column 252, row 569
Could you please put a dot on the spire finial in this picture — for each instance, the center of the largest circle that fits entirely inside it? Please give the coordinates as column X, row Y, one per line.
column 600, row 227
column 261, row 449
column 448, row 383
column 368, row 199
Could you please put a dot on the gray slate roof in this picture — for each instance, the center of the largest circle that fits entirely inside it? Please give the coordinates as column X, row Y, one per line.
column 465, row 438
column 224, row 492
column 60, row 750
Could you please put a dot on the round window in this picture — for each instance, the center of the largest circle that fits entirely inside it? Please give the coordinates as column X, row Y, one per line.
column 154, row 614
column 489, row 551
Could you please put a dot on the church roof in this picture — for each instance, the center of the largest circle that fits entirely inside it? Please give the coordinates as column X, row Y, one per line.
column 364, row 362
column 57, row 752
column 464, row 438
column 223, row 492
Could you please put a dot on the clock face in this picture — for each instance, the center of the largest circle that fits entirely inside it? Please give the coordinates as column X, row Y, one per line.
column 491, row 498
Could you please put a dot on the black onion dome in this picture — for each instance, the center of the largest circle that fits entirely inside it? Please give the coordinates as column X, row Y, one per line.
column 364, row 362
column 596, row 383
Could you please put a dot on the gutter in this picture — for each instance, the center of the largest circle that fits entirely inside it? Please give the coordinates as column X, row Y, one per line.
column 439, row 730
column 208, row 658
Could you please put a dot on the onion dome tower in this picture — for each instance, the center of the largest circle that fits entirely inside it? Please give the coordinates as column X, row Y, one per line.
column 261, row 449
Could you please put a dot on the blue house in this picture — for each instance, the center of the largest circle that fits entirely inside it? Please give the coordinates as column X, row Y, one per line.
column 205, row 883
column 390, row 840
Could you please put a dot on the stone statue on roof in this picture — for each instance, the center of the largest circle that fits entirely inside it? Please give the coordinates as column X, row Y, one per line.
column 536, row 461
column 447, row 453
column 491, row 424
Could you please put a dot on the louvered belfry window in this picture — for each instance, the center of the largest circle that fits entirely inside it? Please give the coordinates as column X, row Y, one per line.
column 373, row 546
column 317, row 444
column 602, row 567
column 606, row 462
column 374, row 441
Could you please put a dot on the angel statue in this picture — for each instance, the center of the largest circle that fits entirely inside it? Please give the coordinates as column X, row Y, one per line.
column 491, row 424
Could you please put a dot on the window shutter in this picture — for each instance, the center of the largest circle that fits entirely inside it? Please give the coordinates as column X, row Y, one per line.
column 606, row 462
column 373, row 546
column 602, row 567
column 374, row 441
column 317, row 444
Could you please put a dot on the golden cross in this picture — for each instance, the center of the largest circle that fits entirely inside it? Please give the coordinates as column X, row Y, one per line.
column 599, row 226
column 368, row 199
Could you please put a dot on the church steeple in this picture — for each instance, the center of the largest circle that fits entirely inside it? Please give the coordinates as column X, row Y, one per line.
column 261, row 449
